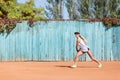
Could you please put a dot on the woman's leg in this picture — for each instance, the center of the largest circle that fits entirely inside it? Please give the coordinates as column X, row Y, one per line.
column 76, row 58
column 95, row 60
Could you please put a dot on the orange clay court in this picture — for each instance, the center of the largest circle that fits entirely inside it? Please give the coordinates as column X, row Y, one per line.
column 59, row 71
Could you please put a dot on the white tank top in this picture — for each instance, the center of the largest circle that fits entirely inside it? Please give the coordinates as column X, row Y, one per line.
column 83, row 46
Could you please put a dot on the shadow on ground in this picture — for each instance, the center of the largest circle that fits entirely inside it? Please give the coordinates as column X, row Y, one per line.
column 77, row 66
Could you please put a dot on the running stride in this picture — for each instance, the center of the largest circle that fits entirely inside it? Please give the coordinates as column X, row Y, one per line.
column 82, row 43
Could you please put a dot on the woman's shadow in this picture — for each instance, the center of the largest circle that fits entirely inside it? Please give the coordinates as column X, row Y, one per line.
column 63, row 66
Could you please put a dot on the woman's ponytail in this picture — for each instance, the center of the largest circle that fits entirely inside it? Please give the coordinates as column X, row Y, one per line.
column 85, row 41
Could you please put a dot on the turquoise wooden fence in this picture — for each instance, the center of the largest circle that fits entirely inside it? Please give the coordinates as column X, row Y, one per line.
column 55, row 41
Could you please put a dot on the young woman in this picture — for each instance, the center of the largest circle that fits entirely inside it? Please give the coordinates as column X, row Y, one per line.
column 82, row 43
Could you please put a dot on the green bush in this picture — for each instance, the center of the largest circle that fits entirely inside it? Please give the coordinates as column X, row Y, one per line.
column 10, row 11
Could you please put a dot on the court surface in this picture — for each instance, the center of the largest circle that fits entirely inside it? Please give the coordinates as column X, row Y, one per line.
column 59, row 71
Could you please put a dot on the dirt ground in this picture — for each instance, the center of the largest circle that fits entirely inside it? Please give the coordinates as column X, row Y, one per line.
column 59, row 71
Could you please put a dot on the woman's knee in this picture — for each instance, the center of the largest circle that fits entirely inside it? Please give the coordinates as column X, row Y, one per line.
column 78, row 54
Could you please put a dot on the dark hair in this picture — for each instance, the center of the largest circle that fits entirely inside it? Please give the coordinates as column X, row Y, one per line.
column 85, row 41
column 76, row 33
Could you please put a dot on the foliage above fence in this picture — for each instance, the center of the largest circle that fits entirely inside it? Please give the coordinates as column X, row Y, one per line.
column 11, row 13
column 108, row 22
column 7, row 25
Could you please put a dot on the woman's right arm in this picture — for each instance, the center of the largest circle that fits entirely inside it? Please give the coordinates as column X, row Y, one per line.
column 77, row 46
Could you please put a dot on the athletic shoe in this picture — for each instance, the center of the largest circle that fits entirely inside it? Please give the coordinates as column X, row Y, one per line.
column 74, row 66
column 100, row 65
